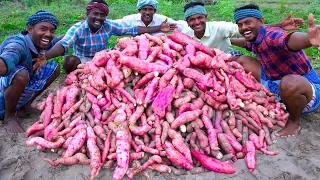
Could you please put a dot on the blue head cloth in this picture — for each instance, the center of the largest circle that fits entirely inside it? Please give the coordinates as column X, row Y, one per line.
column 198, row 9
column 245, row 13
column 42, row 16
column 153, row 3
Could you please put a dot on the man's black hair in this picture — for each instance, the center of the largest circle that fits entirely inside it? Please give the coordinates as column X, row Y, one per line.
column 98, row 1
column 249, row 6
column 192, row 4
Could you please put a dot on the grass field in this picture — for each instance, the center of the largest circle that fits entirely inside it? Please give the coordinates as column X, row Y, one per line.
column 14, row 13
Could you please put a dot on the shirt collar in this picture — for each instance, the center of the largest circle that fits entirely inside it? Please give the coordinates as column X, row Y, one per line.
column 262, row 33
column 86, row 26
column 31, row 45
column 140, row 19
column 206, row 32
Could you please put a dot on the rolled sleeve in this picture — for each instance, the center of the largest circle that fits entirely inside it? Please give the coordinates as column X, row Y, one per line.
column 11, row 54
column 69, row 38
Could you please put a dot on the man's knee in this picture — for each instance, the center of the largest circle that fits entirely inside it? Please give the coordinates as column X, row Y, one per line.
column 291, row 85
column 21, row 78
column 70, row 63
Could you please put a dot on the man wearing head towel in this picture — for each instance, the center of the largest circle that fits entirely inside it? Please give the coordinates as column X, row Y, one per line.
column 217, row 34
column 147, row 16
column 282, row 65
column 23, row 75
column 92, row 35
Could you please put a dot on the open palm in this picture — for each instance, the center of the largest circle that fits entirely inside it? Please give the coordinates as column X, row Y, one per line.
column 313, row 32
column 38, row 62
column 166, row 27
column 290, row 23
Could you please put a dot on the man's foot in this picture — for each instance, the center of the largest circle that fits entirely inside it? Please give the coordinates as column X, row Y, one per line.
column 12, row 125
column 291, row 129
column 26, row 111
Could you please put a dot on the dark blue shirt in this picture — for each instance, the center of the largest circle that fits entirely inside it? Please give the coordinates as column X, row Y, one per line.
column 19, row 50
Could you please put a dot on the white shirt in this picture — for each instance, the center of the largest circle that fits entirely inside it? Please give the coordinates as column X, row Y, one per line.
column 135, row 20
column 217, row 35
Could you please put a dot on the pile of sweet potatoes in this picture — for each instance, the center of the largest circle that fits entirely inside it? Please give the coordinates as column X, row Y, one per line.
column 166, row 103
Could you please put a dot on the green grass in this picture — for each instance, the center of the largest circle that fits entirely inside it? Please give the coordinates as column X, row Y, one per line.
column 14, row 14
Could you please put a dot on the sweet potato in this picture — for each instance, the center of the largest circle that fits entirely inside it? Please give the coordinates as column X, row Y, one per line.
column 185, row 118
column 162, row 100
column 176, row 157
column 76, row 143
column 212, row 164
column 44, row 143
column 78, row 158
column 250, row 158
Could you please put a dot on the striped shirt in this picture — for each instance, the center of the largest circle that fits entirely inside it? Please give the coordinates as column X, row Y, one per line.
column 86, row 43
column 275, row 57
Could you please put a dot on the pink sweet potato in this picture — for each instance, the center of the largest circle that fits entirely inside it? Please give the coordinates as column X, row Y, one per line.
column 162, row 100
column 250, row 158
column 176, row 157
column 213, row 164
column 185, row 118
column 78, row 158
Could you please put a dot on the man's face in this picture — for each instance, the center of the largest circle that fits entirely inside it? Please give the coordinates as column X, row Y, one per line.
column 147, row 13
column 41, row 34
column 249, row 27
column 96, row 19
column 197, row 22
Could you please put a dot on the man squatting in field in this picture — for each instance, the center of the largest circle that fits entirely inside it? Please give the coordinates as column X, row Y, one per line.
column 217, row 34
column 147, row 16
column 22, row 75
column 91, row 35
column 281, row 65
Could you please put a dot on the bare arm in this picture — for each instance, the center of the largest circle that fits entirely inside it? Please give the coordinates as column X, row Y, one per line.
column 56, row 50
column 298, row 41
column 153, row 29
column 241, row 42
column 3, row 67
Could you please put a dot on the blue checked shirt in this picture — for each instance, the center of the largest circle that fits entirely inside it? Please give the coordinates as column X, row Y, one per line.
column 275, row 57
column 86, row 43
column 19, row 50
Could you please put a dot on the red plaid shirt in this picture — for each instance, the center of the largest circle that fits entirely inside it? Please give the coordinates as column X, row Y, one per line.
column 275, row 57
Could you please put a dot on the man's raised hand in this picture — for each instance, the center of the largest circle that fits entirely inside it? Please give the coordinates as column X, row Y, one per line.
column 313, row 32
column 289, row 23
column 166, row 27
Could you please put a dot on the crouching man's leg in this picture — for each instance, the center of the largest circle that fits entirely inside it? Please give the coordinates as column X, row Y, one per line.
column 295, row 92
column 12, row 95
column 49, row 73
